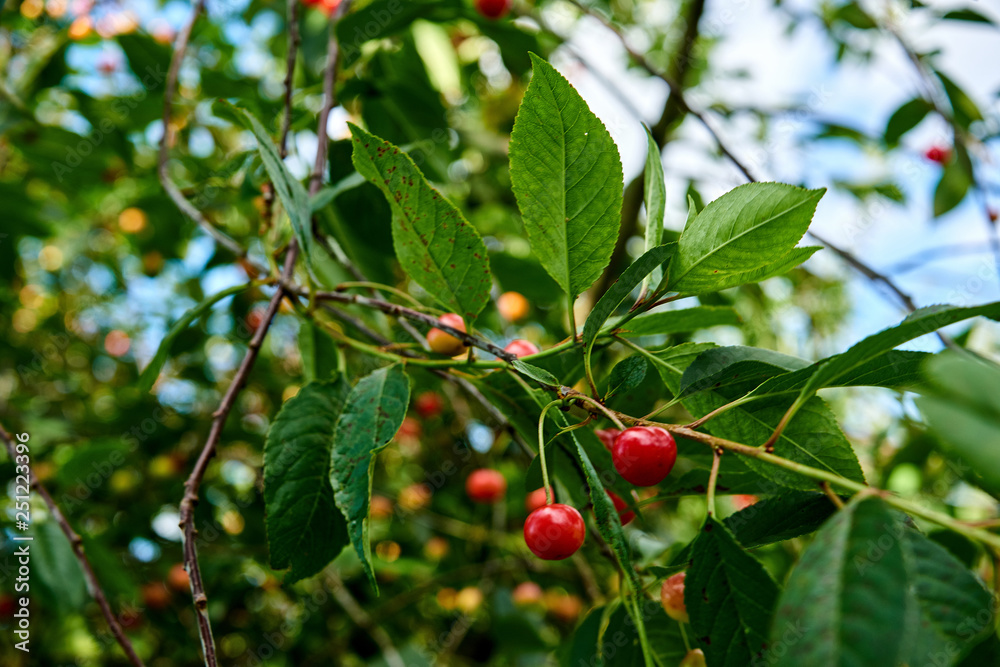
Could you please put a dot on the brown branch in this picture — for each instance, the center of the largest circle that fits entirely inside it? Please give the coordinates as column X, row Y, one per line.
column 293, row 47
column 167, row 140
column 76, row 543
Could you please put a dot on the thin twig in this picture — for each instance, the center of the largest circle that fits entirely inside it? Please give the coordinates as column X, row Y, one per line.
column 363, row 620
column 167, row 140
column 76, row 543
column 293, row 47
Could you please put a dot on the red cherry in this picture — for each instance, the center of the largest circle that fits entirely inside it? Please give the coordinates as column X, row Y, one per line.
column 443, row 342
column 535, row 500
column 672, row 597
column 492, row 9
column 428, row 404
column 627, row 515
column 644, row 455
column 486, row 486
column 607, row 436
column 554, row 532
column 939, row 154
column 992, row 214
column 743, row 501
column 521, row 348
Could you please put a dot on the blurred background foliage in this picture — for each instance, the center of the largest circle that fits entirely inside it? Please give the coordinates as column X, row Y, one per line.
column 96, row 264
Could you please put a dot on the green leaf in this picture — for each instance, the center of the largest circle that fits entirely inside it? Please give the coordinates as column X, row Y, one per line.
column 735, row 365
column 582, row 649
column 956, row 179
column 626, row 375
column 655, row 199
column 152, row 370
column 371, row 417
column 964, row 412
column 966, row 15
column 963, row 109
column 621, row 288
column 813, row 438
column 741, row 234
column 730, row 598
column 680, row 321
column 305, row 531
column 318, row 351
column 535, row 373
column 567, row 178
column 56, row 569
column 904, row 119
column 291, row 193
column 620, row 642
column 916, row 324
column 434, row 243
column 870, row 590
column 782, row 517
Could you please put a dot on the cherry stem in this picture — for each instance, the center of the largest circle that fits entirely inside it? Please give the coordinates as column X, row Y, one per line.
column 541, row 450
column 684, row 636
column 713, row 478
column 600, row 406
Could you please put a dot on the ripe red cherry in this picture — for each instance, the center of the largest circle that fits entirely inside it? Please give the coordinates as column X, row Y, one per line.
column 428, row 404
column 521, row 348
column 620, row 505
column 554, row 532
column 444, row 343
column 492, row 9
column 607, row 436
column 672, row 597
column 644, row 455
column 486, row 486
column 535, row 500
column 939, row 154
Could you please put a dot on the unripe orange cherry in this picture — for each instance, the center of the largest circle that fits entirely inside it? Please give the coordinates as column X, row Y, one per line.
column 672, row 598
column 444, row 343
column 521, row 348
column 527, row 593
column 486, row 486
column 512, row 306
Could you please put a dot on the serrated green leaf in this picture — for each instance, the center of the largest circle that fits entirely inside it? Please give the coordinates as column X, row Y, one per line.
column 373, row 413
column 916, row 324
column 680, row 321
column 813, row 437
column 621, row 288
column 435, row 244
column 735, row 365
column 655, row 199
column 535, row 373
column 567, row 178
column 305, row 531
column 964, row 412
column 626, row 375
column 730, row 598
column 871, row 590
column 741, row 234
column 155, row 365
column 904, row 119
column 782, row 266
column 291, row 193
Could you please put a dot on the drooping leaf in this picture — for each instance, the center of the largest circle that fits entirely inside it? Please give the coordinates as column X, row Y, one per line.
column 567, row 177
column 679, row 321
column 742, row 233
column 904, row 119
column 373, row 413
column 621, row 288
column 434, row 243
column 535, row 373
column 730, row 598
column 291, row 193
column 872, row 590
column 655, row 199
column 954, row 184
column 964, row 412
column 627, row 374
column 305, row 531
column 152, row 370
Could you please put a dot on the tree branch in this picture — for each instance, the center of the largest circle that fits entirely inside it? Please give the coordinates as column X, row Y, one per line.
column 93, row 585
